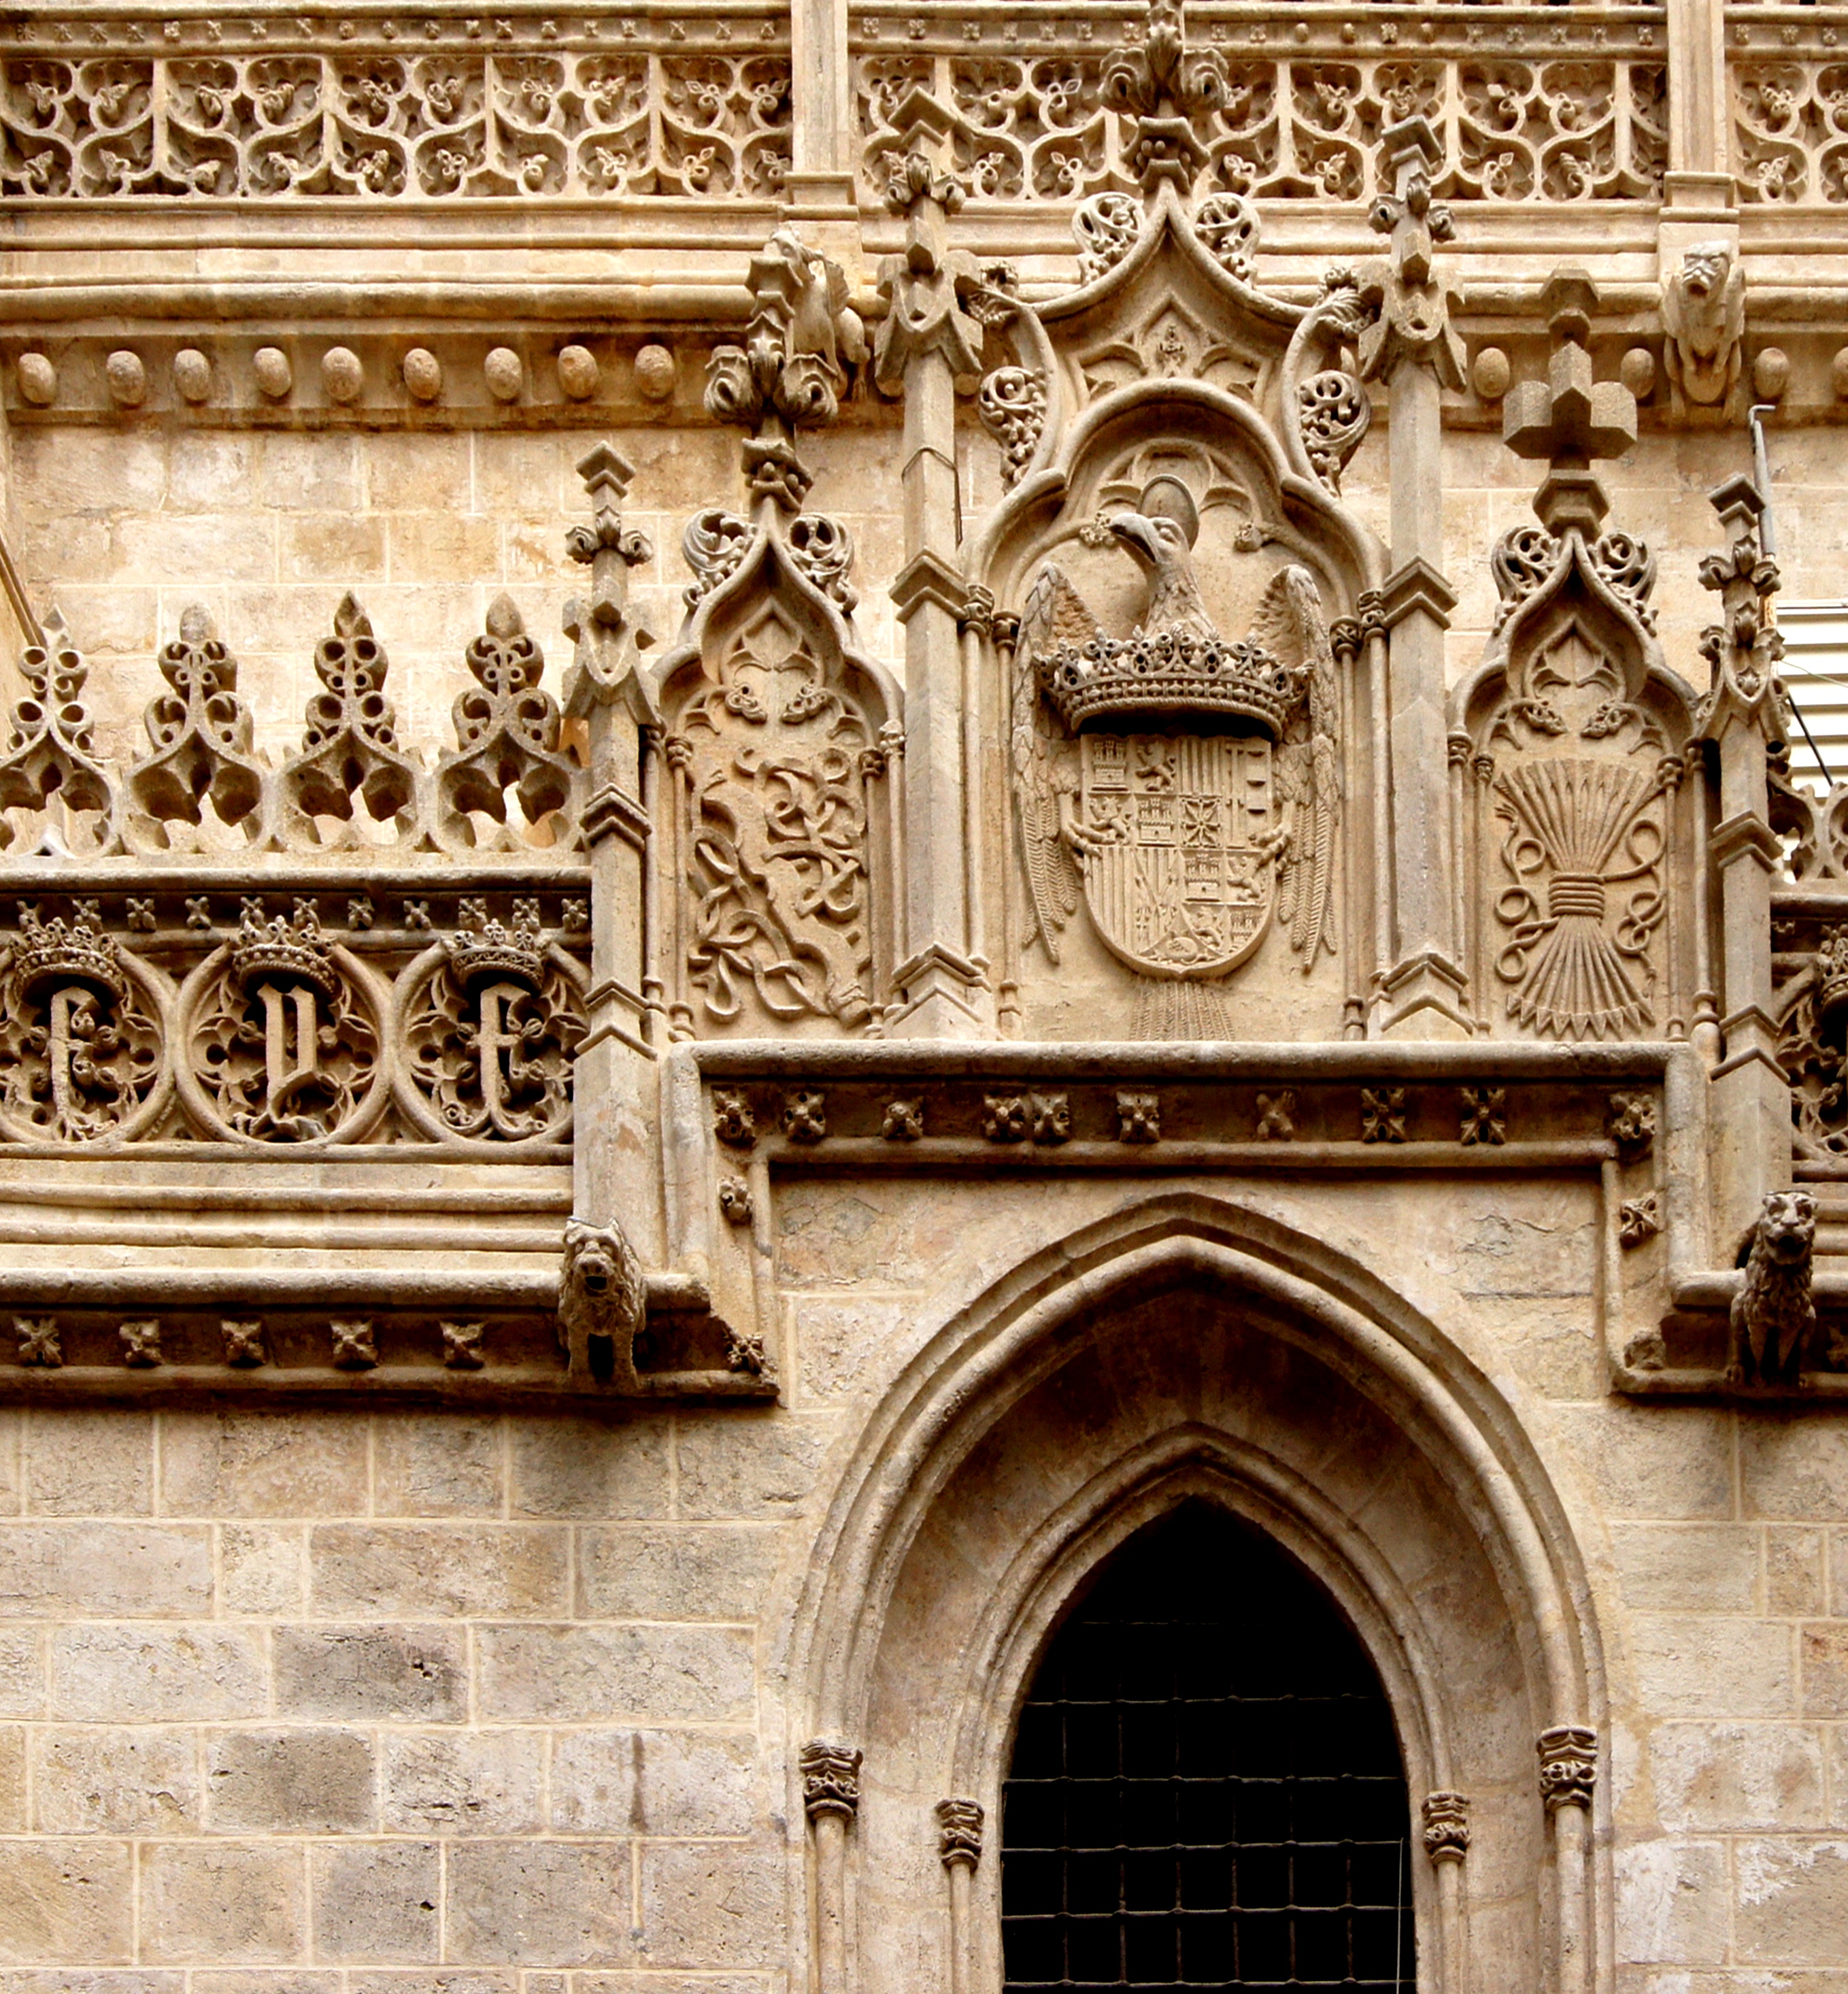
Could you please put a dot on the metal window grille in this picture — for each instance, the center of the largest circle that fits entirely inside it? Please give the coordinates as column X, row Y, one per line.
column 1205, row 1789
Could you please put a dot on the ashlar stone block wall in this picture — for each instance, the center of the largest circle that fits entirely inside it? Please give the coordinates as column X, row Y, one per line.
column 341, row 1703
column 387, row 1694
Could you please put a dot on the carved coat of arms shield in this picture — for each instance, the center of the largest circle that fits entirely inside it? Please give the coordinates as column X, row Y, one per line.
column 1171, row 858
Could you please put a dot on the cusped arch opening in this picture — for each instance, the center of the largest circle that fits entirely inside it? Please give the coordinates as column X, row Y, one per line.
column 1175, row 1386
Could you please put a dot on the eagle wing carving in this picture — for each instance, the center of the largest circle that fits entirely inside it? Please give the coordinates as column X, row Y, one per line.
column 1291, row 626
column 1045, row 781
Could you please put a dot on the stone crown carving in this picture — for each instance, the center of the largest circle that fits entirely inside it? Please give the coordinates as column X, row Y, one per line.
column 1175, row 670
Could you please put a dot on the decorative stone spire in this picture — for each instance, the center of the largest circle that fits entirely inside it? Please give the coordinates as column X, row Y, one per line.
column 925, row 287
column 1743, row 647
column 1412, row 317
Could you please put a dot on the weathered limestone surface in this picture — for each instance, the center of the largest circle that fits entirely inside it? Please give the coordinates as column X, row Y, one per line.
column 802, row 801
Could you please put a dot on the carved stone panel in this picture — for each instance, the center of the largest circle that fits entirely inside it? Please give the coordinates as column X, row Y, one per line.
column 774, row 762
column 283, row 1035
column 81, row 1039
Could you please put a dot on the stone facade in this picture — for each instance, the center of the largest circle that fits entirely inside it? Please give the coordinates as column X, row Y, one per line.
column 802, row 802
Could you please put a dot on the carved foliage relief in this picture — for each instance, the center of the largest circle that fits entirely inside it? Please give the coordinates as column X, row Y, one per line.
column 772, row 764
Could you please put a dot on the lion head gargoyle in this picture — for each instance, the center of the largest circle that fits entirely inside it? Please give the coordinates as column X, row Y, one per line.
column 602, row 1305
column 1703, row 313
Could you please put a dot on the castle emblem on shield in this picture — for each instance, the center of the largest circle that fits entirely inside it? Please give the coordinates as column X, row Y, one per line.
column 1183, row 783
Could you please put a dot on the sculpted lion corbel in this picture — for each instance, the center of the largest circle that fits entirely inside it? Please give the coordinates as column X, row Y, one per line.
column 1703, row 313
column 602, row 1305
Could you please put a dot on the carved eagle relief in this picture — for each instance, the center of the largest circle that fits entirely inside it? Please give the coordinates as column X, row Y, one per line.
column 1184, row 784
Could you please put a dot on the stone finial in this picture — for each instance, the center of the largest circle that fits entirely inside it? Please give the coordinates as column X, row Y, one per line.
column 1446, row 1818
column 1569, row 1765
column 604, row 630
column 1569, row 420
column 960, row 1833
column 1411, row 315
column 1163, row 86
column 791, row 372
column 1743, row 648
column 830, row 1780
column 929, row 286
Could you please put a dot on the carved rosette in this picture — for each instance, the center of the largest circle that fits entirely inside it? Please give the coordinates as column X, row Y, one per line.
column 491, row 1023
column 1569, row 1765
column 830, row 1780
column 81, row 1042
column 283, row 1035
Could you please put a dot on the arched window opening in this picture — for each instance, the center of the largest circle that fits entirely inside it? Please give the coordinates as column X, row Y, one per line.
column 1205, row 1789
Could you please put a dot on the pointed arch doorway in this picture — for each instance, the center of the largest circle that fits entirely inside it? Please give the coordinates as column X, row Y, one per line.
column 1205, row 1790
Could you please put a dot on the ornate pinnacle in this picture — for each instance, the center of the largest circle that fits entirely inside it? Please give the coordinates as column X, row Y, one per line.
column 606, row 546
column 929, row 285
column 791, row 372
column 601, row 627
column 1412, row 320
column 1744, row 648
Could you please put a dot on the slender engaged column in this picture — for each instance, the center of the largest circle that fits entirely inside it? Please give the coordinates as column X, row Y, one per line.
column 1447, row 1842
column 830, row 1796
column 1411, row 348
column 959, row 1845
column 1569, row 1772
column 925, row 343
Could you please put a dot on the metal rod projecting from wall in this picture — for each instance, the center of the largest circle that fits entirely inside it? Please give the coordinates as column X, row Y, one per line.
column 16, row 601
column 1767, row 540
